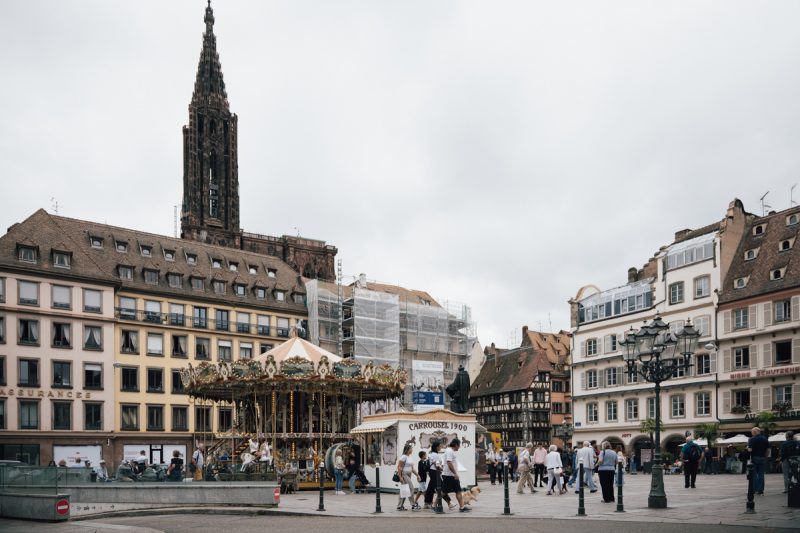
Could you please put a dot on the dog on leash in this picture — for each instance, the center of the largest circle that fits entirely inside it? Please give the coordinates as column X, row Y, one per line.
column 470, row 495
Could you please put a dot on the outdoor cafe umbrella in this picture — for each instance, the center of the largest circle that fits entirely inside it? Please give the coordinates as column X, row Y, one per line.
column 736, row 439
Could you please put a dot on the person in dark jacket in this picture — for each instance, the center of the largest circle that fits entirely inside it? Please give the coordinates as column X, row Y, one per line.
column 744, row 457
column 758, row 445
column 513, row 464
column 789, row 448
column 423, row 467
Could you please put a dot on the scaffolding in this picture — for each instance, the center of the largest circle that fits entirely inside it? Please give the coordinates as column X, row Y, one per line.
column 371, row 327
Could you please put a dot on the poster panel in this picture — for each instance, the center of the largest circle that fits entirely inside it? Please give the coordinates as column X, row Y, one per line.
column 428, row 384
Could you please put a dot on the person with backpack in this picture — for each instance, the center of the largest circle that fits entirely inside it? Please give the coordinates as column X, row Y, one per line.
column 789, row 448
column 691, row 454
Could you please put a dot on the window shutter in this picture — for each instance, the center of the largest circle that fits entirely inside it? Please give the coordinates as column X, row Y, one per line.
column 752, row 317
column 620, row 374
column 712, row 362
column 796, row 394
column 796, row 354
column 795, row 308
column 766, row 398
column 754, row 356
column 583, row 348
column 607, row 344
column 726, row 321
column 583, row 381
column 755, row 404
column 599, row 343
column 767, row 314
column 766, row 355
column 726, row 360
column 726, row 401
column 601, row 378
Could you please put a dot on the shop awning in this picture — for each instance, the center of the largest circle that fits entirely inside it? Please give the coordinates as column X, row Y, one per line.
column 375, row 426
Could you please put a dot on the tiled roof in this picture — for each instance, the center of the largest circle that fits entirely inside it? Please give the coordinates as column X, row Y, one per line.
column 769, row 258
column 512, row 370
column 556, row 346
column 90, row 262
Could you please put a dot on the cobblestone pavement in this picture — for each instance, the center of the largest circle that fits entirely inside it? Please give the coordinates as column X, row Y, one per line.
column 718, row 499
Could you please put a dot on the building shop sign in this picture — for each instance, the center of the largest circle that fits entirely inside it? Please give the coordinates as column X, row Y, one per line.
column 764, row 372
column 35, row 393
column 785, row 415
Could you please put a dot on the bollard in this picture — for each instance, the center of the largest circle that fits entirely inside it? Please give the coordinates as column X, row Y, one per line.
column 438, row 504
column 321, row 488
column 620, row 507
column 751, row 503
column 378, row 489
column 581, row 508
column 507, row 503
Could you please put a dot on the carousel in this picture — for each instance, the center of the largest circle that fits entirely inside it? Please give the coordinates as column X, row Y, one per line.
column 292, row 406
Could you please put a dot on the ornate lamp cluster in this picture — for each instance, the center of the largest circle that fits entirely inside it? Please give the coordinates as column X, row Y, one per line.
column 655, row 353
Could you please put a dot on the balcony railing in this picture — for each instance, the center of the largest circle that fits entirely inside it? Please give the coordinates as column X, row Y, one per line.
column 173, row 319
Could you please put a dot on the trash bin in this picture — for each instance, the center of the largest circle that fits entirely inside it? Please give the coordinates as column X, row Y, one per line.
column 794, row 482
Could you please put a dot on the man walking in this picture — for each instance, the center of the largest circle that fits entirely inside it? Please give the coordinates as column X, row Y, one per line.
column 691, row 454
column 587, row 458
column 758, row 446
column 574, row 462
column 198, row 461
column 525, row 470
column 539, row 457
column 450, row 480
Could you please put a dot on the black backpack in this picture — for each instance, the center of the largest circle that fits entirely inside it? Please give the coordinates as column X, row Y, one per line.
column 694, row 453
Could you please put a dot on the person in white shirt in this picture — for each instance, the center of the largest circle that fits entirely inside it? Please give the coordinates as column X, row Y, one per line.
column 525, row 466
column 141, row 462
column 553, row 464
column 102, row 471
column 405, row 469
column 450, row 479
column 491, row 464
column 436, row 459
column 587, row 458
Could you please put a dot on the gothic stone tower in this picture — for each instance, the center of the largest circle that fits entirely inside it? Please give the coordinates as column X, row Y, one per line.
column 210, row 170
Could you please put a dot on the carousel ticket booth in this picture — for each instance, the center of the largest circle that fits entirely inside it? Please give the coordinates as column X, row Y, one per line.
column 383, row 436
column 291, row 405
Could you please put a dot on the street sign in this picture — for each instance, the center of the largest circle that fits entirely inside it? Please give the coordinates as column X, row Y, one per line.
column 62, row 507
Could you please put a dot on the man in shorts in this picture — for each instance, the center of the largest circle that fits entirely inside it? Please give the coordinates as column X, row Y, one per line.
column 450, row 480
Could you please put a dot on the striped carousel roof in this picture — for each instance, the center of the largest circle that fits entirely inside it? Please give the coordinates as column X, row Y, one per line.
column 297, row 347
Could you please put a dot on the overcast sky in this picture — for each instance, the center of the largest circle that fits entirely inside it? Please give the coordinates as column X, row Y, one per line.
column 500, row 154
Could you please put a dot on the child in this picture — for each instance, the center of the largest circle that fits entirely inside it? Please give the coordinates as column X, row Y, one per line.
column 422, row 469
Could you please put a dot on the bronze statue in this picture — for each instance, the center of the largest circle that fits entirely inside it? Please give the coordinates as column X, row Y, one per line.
column 458, row 391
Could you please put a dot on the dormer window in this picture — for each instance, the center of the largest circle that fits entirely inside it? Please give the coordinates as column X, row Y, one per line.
column 97, row 242
column 253, row 269
column 240, row 289
column 151, row 277
column 191, row 259
column 197, row 284
column 233, row 267
column 261, row 293
column 174, row 280
column 219, row 287
column 759, row 230
column 122, row 247
column 751, row 254
column 777, row 273
column 271, row 272
column 786, row 245
column 216, row 263
column 739, row 283
column 791, row 220
column 26, row 253
column 169, row 255
column 280, row 296
column 147, row 251
column 125, row 272
column 62, row 259
column 298, row 299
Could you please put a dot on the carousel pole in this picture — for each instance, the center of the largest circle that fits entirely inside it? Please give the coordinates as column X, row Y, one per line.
column 274, row 421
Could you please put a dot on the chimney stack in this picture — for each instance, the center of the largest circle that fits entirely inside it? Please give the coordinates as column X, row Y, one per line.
column 633, row 274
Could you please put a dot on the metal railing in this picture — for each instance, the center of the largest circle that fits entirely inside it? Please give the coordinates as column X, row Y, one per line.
column 173, row 319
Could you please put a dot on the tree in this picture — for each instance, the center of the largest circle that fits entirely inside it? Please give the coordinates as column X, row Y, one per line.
column 766, row 421
column 648, row 426
column 708, row 431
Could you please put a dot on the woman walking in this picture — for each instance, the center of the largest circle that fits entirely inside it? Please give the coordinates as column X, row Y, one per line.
column 607, row 464
column 552, row 462
column 338, row 472
column 435, row 458
column 405, row 468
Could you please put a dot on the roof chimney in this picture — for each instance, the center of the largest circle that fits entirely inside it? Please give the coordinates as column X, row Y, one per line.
column 362, row 281
column 524, row 330
column 682, row 233
column 633, row 274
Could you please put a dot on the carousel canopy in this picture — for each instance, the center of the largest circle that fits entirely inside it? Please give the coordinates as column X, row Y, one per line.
column 297, row 347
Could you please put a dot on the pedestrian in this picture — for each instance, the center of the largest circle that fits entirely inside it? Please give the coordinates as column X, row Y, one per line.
column 634, row 467
column 101, row 471
column 708, row 461
column 539, row 456
column 338, row 472
column 405, row 469
column 691, row 454
column 436, row 459
column 450, row 480
column 513, row 465
column 525, row 465
column 141, row 462
column 491, row 464
column 554, row 468
column 587, row 458
column 789, row 448
column 606, row 465
column 744, row 457
column 574, row 467
column 502, row 465
column 423, row 467
column 352, row 471
column 175, row 469
column 758, row 446
column 198, row 461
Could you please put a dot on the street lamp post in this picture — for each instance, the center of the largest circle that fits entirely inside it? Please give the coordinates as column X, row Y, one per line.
column 656, row 354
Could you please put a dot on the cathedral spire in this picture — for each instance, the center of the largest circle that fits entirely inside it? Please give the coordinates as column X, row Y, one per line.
column 209, row 83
